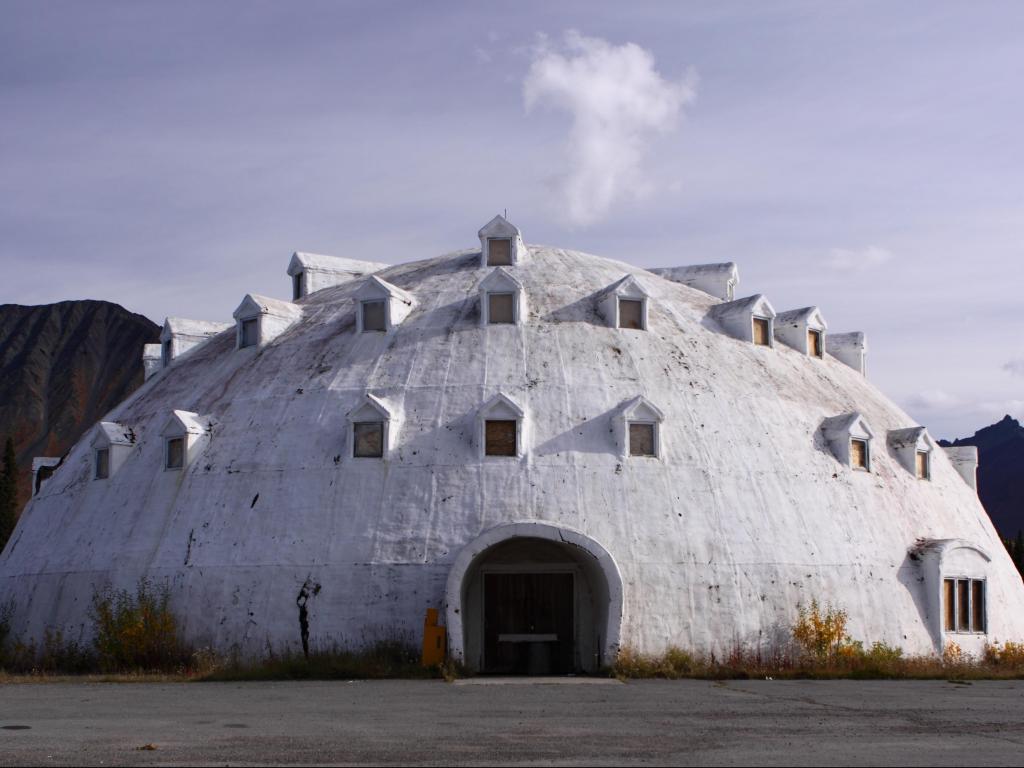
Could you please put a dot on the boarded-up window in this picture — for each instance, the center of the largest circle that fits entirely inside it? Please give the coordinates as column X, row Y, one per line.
column 500, row 308
column 859, row 453
column 641, row 439
column 977, row 605
column 175, row 453
column 814, row 345
column 368, row 439
column 373, row 316
column 165, row 353
column 102, row 463
column 297, row 286
column 499, row 252
column 762, row 332
column 500, row 438
column 963, row 605
column 949, row 604
column 921, row 465
column 631, row 314
column 249, row 333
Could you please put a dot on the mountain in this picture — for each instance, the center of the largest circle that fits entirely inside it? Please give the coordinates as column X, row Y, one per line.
column 62, row 367
column 1000, row 466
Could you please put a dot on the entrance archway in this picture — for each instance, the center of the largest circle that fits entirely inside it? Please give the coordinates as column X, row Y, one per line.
column 533, row 598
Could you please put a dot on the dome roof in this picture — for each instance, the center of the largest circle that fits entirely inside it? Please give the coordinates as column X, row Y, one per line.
column 751, row 503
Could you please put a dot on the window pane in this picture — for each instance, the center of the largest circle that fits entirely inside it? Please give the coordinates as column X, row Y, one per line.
column 373, row 316
column 978, row 605
column 499, row 252
column 175, row 453
column 641, row 439
column 631, row 314
column 500, row 438
column 368, row 440
column 963, row 605
column 500, row 308
column 859, row 454
column 249, row 333
column 922, row 465
column 102, row 463
column 297, row 286
column 762, row 332
column 814, row 343
column 949, row 605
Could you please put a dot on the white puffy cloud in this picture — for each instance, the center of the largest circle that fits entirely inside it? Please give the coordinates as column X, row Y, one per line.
column 849, row 260
column 618, row 102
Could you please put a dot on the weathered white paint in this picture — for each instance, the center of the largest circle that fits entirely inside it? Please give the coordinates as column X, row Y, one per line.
column 372, row 408
column 792, row 327
column 627, row 287
column 950, row 558
column 718, row 280
column 840, row 430
column 850, row 349
column 115, row 438
column 500, row 280
column 737, row 317
column 907, row 442
column 964, row 459
column 746, row 513
column 397, row 303
column 638, row 409
column 151, row 360
column 316, row 271
column 181, row 335
column 273, row 317
column 501, row 407
column 499, row 228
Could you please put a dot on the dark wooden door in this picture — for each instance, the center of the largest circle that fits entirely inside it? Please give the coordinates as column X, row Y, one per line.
column 528, row 623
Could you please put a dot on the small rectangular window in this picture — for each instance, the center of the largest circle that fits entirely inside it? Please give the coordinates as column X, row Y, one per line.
column 373, row 316
column 631, row 314
column 249, row 333
column 368, row 439
column 102, row 463
column 814, row 345
column 165, row 353
column 499, row 252
column 963, row 605
column 977, row 605
column 500, row 308
column 175, row 453
column 949, row 604
column 762, row 332
column 641, row 439
column 297, row 286
column 921, row 465
column 859, row 453
column 500, row 438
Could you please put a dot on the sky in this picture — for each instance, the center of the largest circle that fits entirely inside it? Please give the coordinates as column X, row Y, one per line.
column 862, row 157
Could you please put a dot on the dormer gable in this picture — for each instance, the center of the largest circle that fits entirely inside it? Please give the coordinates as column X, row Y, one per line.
column 849, row 437
column 964, row 459
column 372, row 428
column 624, row 304
column 501, row 423
column 261, row 319
column 718, row 280
column 185, row 434
column 310, row 272
column 851, row 349
column 636, row 427
column 151, row 360
column 381, row 306
column 501, row 244
column 913, row 448
column 749, row 319
column 180, row 335
column 111, row 445
column 803, row 330
column 502, row 299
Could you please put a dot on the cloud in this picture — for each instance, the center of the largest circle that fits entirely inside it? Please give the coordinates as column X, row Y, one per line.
column 846, row 260
column 618, row 103
column 1016, row 367
column 933, row 400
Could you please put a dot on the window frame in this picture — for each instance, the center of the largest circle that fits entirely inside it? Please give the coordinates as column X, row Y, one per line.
column 166, row 352
column 642, row 302
column 515, row 308
column 297, row 285
column 167, row 453
column 363, row 306
column 754, row 321
column 816, row 348
column 866, row 442
column 382, row 425
column 105, row 464
column 517, row 442
column 655, row 453
column 926, row 472
column 952, row 608
column 243, row 324
column 511, row 256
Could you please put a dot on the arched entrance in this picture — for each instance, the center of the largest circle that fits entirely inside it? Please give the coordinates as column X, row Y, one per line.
column 533, row 598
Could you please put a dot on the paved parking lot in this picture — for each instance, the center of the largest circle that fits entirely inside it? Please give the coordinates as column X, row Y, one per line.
column 584, row 723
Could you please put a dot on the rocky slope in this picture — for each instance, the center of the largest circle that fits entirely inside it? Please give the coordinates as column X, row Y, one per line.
column 62, row 366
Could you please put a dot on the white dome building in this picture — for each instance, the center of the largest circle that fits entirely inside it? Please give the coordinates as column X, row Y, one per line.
column 562, row 453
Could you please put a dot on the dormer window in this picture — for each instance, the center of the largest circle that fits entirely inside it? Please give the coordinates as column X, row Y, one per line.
column 165, row 353
column 261, row 319
column 849, row 437
column 860, row 456
column 175, row 453
column 179, row 335
column 501, row 299
column 963, row 605
column 922, row 465
column 374, row 315
column 501, row 244
column 637, row 428
column 815, row 348
column 102, row 464
column 371, row 429
column 501, row 424
column 248, row 333
column 499, row 252
column 762, row 331
column 851, row 349
column 802, row 330
column 623, row 304
column 297, row 292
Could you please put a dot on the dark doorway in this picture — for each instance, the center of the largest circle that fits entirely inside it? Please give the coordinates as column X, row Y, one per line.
column 528, row 623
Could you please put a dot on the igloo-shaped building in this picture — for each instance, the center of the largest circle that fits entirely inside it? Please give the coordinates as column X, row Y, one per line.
column 562, row 453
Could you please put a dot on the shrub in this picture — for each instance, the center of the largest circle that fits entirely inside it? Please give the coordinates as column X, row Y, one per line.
column 137, row 632
column 820, row 633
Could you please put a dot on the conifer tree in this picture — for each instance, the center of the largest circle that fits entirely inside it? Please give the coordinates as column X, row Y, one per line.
column 8, row 493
